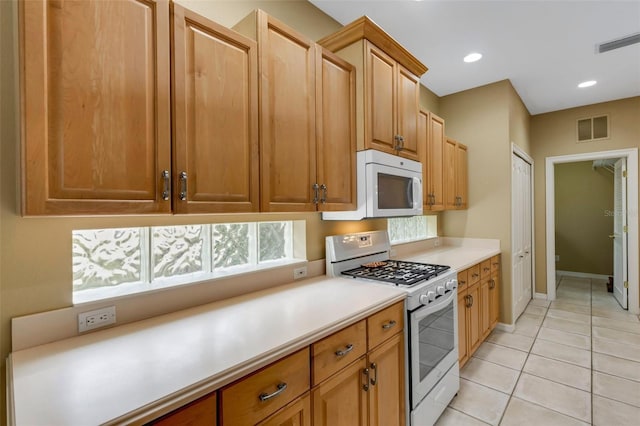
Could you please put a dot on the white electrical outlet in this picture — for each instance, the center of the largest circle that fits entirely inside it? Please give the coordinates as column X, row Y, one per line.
column 96, row 319
column 300, row 272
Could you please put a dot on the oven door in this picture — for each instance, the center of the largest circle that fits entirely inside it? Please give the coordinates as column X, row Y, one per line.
column 433, row 344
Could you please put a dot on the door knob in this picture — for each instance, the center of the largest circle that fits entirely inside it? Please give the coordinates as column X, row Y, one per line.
column 612, row 236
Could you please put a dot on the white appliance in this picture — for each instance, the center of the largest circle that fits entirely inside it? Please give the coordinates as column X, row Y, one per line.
column 388, row 186
column 431, row 335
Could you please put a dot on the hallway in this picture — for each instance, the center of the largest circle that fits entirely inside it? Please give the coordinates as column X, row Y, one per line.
column 575, row 361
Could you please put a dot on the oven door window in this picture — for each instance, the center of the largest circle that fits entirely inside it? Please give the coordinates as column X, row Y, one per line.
column 436, row 339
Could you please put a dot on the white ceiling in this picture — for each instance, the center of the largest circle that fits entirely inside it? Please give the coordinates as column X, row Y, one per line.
column 544, row 47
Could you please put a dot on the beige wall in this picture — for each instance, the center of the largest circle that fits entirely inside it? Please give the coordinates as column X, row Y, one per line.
column 584, row 202
column 486, row 119
column 35, row 255
column 429, row 101
column 554, row 134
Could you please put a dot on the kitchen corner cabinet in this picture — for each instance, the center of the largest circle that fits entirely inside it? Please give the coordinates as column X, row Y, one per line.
column 388, row 88
column 431, row 129
column 478, row 305
column 215, row 117
column 302, row 140
column 96, row 107
column 455, row 175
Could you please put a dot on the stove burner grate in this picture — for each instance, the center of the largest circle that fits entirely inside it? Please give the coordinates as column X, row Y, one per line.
column 397, row 272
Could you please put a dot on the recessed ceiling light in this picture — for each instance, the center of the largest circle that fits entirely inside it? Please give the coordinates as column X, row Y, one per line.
column 472, row 57
column 587, row 84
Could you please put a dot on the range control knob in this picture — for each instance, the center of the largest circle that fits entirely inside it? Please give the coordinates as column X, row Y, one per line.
column 425, row 299
column 440, row 290
column 451, row 284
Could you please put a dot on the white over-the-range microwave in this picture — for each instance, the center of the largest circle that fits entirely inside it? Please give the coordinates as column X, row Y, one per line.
column 388, row 186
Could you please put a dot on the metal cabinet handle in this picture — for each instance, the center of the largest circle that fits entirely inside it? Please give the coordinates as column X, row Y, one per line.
column 267, row 396
column 346, row 350
column 366, row 381
column 323, row 187
column 470, row 300
column 492, row 284
column 165, row 185
column 467, row 302
column 462, row 282
column 388, row 325
column 399, row 142
column 374, row 367
column 315, row 187
column 474, row 275
column 183, row 186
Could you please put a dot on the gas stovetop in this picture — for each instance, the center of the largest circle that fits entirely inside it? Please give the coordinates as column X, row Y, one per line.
column 400, row 273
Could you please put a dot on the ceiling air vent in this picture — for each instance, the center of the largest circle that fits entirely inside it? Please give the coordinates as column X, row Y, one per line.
column 617, row 44
column 593, row 128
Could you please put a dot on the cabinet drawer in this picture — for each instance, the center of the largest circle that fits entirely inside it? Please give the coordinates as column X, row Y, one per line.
column 495, row 264
column 338, row 350
column 485, row 269
column 385, row 324
column 199, row 412
column 463, row 280
column 474, row 274
column 247, row 401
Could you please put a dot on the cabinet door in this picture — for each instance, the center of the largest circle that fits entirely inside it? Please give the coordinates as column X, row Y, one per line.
column 287, row 126
column 380, row 88
column 435, row 147
column 342, row 399
column 408, row 92
column 215, row 79
column 494, row 300
column 449, row 174
column 386, row 391
column 201, row 412
column 462, row 327
column 485, row 323
column 473, row 319
column 95, row 90
column 462, row 180
column 297, row 413
column 335, row 132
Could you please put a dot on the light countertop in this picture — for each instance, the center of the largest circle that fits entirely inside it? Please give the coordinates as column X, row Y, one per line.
column 138, row 371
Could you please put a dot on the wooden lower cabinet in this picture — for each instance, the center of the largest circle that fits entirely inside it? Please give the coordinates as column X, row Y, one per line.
column 386, row 390
column 297, row 413
column 341, row 400
column 478, row 305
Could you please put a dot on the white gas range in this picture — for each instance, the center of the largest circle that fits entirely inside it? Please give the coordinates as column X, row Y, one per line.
column 432, row 315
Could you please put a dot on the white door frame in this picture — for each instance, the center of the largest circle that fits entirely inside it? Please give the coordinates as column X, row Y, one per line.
column 516, row 150
column 631, row 155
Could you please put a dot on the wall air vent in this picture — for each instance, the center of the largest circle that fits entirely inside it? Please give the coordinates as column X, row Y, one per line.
column 592, row 128
column 618, row 43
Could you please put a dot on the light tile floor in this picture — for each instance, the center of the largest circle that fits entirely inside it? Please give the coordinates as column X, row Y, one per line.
column 575, row 361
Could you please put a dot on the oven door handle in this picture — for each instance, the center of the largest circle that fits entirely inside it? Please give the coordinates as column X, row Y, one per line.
column 426, row 310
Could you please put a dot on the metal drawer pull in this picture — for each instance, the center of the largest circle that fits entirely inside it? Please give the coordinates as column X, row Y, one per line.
column 462, row 282
column 267, row 396
column 474, row 275
column 366, row 381
column 388, row 325
column 165, row 188
column 183, row 186
column 374, row 367
column 346, row 350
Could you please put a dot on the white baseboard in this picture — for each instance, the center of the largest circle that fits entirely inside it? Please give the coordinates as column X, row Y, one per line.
column 542, row 296
column 509, row 328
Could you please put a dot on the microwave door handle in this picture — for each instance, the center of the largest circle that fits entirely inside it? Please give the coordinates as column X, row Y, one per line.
column 417, row 191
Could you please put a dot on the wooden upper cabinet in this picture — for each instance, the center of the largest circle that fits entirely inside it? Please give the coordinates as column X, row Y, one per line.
column 95, row 102
column 408, row 94
column 435, row 147
column 286, row 63
column 455, row 175
column 215, row 117
column 388, row 87
column 335, row 132
column 380, row 86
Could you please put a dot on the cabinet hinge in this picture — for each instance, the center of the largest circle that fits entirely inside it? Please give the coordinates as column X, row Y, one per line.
column 625, row 228
column 626, row 284
column 624, row 173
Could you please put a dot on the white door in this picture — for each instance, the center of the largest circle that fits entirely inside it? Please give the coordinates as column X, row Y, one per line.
column 619, row 233
column 521, row 229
